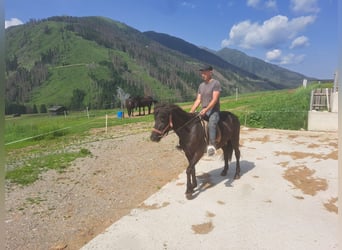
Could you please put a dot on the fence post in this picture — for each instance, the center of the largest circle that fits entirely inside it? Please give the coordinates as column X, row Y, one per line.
column 246, row 118
column 106, row 122
column 311, row 100
column 328, row 100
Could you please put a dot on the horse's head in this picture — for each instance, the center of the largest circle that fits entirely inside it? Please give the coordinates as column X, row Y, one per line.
column 162, row 122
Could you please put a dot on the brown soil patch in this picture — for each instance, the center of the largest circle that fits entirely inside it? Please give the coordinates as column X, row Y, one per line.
column 302, row 178
column 153, row 206
column 264, row 139
column 301, row 155
column 312, row 145
column 284, row 163
column 203, row 228
column 331, row 205
column 210, row 215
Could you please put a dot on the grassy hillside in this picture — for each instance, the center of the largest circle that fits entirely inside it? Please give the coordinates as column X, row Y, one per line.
column 60, row 60
column 46, row 60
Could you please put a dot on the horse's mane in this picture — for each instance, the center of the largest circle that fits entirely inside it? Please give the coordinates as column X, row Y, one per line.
column 169, row 107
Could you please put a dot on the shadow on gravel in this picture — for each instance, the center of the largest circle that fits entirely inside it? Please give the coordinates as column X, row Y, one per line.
column 213, row 177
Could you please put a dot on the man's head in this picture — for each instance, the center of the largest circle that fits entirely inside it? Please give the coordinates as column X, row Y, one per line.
column 206, row 73
column 207, row 68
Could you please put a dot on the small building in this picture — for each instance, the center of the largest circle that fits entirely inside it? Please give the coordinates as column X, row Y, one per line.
column 323, row 113
column 57, row 110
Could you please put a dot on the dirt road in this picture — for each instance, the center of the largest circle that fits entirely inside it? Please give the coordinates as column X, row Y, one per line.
column 66, row 211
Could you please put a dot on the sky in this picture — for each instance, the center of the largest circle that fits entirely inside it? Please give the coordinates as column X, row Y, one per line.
column 300, row 35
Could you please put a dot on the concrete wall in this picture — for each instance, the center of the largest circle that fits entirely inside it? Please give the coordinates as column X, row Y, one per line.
column 334, row 102
column 322, row 121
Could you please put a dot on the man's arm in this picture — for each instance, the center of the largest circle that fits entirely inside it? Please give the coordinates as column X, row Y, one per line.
column 196, row 103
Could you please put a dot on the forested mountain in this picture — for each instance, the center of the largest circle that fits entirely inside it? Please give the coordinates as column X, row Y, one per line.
column 261, row 68
column 83, row 61
column 234, row 60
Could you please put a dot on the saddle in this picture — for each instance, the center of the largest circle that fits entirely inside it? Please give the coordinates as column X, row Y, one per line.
column 206, row 132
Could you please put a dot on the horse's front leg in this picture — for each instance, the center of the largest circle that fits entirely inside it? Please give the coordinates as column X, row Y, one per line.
column 193, row 176
column 193, row 158
column 189, row 185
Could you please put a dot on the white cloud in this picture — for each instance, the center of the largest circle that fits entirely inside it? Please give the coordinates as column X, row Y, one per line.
column 291, row 59
column 12, row 22
column 270, row 4
column 270, row 34
column 253, row 3
column 300, row 41
column 305, row 6
column 275, row 56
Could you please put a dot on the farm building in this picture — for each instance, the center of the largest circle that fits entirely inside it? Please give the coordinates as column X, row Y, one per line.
column 323, row 113
column 57, row 110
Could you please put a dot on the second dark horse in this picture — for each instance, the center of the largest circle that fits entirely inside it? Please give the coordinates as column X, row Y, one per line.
column 191, row 133
column 133, row 103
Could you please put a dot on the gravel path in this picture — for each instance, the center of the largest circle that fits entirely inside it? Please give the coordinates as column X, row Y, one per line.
column 67, row 210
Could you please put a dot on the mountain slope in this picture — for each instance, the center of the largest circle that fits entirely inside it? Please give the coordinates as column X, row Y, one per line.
column 261, row 68
column 233, row 59
column 92, row 54
column 82, row 61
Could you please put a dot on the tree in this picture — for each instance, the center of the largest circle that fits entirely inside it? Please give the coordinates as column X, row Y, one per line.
column 42, row 108
column 77, row 99
column 34, row 110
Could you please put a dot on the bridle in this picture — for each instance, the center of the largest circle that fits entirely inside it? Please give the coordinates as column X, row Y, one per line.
column 166, row 130
column 169, row 126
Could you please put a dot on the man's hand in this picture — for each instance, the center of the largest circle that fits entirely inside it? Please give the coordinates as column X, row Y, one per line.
column 203, row 112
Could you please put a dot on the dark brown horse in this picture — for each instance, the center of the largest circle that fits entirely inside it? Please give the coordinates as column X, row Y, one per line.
column 143, row 102
column 139, row 102
column 192, row 137
column 130, row 104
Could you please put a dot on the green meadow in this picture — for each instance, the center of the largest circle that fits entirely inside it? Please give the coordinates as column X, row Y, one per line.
column 37, row 143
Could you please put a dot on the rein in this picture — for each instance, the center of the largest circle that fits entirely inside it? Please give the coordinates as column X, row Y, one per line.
column 169, row 126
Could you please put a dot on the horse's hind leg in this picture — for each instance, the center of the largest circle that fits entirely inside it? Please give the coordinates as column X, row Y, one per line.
column 237, row 156
column 227, row 154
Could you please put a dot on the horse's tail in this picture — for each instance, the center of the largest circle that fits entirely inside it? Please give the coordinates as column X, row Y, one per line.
column 230, row 150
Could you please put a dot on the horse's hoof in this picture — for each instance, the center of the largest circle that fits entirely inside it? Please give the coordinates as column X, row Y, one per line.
column 223, row 173
column 189, row 196
column 236, row 177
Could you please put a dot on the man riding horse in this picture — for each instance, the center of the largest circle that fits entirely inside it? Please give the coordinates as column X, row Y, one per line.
column 208, row 95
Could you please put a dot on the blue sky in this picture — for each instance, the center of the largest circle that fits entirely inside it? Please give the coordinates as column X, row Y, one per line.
column 300, row 35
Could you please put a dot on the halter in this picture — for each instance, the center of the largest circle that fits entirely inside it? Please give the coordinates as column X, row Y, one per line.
column 169, row 126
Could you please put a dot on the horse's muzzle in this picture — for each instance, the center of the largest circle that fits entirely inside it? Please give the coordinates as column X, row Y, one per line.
column 155, row 137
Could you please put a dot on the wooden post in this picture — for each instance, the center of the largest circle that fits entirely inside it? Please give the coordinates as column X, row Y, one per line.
column 311, row 101
column 328, row 99
column 106, row 123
